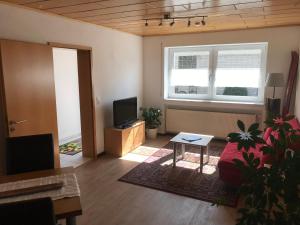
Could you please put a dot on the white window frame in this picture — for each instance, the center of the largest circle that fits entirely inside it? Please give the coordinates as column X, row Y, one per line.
column 213, row 50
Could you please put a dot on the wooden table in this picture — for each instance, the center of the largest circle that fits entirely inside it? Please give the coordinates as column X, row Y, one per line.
column 66, row 208
column 202, row 143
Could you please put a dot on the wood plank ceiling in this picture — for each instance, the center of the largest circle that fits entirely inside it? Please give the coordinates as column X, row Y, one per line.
column 130, row 15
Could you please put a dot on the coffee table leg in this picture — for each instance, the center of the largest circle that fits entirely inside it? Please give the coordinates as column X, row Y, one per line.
column 71, row 220
column 182, row 150
column 207, row 152
column 201, row 159
column 174, row 154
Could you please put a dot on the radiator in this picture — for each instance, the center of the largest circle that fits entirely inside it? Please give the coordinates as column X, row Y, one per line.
column 218, row 124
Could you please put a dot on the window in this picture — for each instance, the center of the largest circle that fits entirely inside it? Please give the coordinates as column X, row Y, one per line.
column 219, row 72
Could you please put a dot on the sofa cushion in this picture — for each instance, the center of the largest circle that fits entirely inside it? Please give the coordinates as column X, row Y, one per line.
column 275, row 134
column 267, row 133
column 228, row 171
column 294, row 124
column 231, row 152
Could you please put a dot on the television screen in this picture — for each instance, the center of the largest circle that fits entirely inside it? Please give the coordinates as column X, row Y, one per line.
column 125, row 112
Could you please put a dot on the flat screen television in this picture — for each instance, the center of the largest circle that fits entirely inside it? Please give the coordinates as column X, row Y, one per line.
column 125, row 112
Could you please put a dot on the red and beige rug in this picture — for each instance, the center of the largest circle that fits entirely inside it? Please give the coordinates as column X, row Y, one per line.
column 156, row 172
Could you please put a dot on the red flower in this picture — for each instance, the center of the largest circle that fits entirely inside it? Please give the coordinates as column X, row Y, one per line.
column 278, row 121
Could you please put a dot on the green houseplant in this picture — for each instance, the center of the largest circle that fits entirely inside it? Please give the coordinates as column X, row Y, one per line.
column 152, row 119
column 270, row 193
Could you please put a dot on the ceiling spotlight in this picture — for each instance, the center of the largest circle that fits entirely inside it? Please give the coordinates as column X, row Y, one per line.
column 189, row 22
column 161, row 23
column 173, row 22
column 146, row 24
column 197, row 23
column 203, row 22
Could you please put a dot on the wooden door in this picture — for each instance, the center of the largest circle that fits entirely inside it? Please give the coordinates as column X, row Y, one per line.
column 29, row 91
column 86, row 104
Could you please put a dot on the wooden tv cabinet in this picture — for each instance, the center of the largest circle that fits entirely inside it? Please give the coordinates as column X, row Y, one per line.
column 119, row 142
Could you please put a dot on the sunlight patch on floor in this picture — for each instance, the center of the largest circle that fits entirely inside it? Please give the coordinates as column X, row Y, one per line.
column 141, row 154
column 167, row 163
column 134, row 157
column 191, row 160
column 145, row 150
column 207, row 169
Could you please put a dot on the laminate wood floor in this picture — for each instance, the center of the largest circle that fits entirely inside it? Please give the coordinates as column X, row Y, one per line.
column 73, row 160
column 107, row 201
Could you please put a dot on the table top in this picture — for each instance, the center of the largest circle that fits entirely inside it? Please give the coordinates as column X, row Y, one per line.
column 204, row 139
column 63, row 208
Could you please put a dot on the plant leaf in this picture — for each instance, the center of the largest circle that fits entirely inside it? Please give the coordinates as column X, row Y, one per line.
column 241, row 125
column 253, row 127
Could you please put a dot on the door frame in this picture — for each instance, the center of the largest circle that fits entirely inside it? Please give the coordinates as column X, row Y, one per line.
column 3, row 123
column 86, row 101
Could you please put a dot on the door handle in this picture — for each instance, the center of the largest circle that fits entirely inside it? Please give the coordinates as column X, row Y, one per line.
column 12, row 122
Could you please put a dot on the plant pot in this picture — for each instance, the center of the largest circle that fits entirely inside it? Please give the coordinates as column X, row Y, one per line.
column 151, row 133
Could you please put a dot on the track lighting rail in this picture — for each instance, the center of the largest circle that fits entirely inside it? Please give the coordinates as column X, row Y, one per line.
column 167, row 18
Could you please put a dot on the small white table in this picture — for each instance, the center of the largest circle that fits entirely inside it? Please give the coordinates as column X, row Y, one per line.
column 202, row 143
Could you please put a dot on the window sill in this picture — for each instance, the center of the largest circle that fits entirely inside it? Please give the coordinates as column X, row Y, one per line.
column 221, row 102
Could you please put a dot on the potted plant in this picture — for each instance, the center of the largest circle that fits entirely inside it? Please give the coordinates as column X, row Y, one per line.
column 270, row 193
column 152, row 119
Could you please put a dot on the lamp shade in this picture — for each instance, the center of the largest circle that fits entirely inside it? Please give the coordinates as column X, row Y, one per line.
column 275, row 80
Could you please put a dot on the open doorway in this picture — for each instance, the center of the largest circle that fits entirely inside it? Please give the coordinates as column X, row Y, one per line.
column 72, row 98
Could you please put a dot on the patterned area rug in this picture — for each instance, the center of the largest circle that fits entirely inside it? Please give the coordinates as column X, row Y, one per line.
column 71, row 148
column 157, row 172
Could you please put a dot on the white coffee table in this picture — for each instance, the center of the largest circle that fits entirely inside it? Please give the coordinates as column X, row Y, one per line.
column 202, row 143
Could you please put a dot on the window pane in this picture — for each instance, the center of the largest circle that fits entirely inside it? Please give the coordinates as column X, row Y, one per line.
column 190, row 75
column 186, row 62
column 238, row 72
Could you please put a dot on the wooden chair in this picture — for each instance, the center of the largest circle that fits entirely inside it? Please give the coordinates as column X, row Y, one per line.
column 32, row 212
column 29, row 153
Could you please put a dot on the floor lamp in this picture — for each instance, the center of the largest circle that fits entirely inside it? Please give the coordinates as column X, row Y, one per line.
column 273, row 104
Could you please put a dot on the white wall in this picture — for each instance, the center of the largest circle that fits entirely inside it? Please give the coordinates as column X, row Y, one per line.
column 281, row 42
column 117, row 56
column 67, row 94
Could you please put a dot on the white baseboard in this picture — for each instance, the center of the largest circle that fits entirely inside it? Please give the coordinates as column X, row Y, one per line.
column 69, row 139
